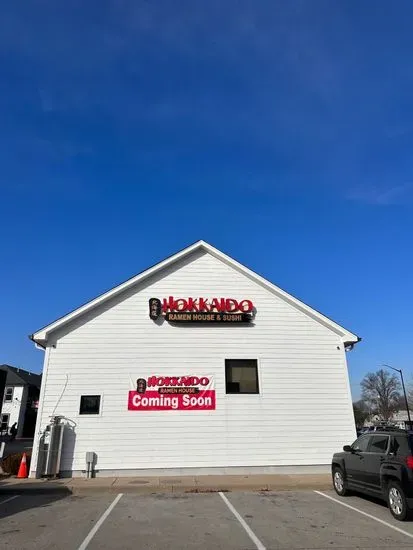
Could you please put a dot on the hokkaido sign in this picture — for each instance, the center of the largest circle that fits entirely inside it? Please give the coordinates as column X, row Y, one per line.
column 173, row 393
column 191, row 310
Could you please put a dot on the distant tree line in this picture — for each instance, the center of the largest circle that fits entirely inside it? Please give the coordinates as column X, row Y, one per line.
column 381, row 396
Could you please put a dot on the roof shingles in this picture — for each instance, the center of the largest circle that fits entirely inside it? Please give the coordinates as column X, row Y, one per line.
column 20, row 377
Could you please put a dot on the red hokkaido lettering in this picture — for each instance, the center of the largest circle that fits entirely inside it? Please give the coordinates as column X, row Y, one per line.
column 181, row 305
column 203, row 304
column 177, row 381
column 246, row 306
column 192, row 305
column 231, row 305
column 221, row 305
column 152, row 381
column 168, row 304
column 217, row 304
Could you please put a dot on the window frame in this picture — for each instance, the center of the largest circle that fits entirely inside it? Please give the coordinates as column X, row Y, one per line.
column 395, row 445
column 371, row 441
column 2, row 415
column 364, row 436
column 11, row 395
column 87, row 414
column 257, row 372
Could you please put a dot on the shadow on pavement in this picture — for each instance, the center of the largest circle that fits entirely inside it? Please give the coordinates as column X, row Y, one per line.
column 376, row 501
column 29, row 496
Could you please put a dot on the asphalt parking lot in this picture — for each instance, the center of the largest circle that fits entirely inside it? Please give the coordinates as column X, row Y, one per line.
column 264, row 521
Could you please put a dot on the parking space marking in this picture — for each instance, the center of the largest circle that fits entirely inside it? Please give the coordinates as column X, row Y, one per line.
column 9, row 499
column 402, row 531
column 244, row 524
column 99, row 523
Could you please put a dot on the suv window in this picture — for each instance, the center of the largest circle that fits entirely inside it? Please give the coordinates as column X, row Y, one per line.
column 362, row 443
column 378, row 443
column 401, row 445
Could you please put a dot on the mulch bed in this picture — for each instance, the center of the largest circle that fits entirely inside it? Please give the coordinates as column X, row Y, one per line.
column 11, row 463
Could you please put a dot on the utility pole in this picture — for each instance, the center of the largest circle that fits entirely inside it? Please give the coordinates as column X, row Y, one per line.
column 404, row 392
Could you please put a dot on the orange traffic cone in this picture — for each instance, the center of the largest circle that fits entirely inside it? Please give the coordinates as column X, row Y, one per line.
column 22, row 473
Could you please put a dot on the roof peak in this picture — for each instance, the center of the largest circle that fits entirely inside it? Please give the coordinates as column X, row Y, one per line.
column 18, row 369
column 42, row 335
column 20, row 377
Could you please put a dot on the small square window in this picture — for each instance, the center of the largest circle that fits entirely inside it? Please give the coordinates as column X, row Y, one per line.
column 241, row 376
column 8, row 394
column 89, row 404
column 4, row 423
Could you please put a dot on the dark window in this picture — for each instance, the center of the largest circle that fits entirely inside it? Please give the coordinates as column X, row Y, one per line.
column 8, row 394
column 401, row 446
column 378, row 443
column 241, row 376
column 362, row 443
column 4, row 423
column 89, row 404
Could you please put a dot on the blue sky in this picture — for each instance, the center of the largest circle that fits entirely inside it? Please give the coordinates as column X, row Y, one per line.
column 281, row 132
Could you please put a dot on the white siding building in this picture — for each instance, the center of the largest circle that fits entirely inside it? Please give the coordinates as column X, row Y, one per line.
column 12, row 411
column 256, row 354
column 19, row 404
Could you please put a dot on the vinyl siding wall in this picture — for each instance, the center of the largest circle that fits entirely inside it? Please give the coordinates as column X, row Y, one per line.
column 302, row 415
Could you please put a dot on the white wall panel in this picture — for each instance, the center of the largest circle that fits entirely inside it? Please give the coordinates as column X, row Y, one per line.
column 301, row 416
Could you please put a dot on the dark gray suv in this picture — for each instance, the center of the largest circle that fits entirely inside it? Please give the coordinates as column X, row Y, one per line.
column 379, row 464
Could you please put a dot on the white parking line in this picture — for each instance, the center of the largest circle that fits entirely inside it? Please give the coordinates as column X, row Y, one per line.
column 410, row 535
column 99, row 523
column 247, row 528
column 9, row 499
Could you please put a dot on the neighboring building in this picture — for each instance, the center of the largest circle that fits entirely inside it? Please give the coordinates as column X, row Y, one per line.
column 399, row 419
column 196, row 365
column 3, row 376
column 20, row 401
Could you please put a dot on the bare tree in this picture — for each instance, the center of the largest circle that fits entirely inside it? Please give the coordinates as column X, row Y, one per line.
column 381, row 393
column 361, row 413
column 410, row 393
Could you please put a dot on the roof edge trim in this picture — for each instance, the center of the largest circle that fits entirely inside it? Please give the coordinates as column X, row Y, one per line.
column 41, row 336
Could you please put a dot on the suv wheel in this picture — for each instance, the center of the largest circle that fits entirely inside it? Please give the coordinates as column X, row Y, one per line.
column 339, row 482
column 397, row 501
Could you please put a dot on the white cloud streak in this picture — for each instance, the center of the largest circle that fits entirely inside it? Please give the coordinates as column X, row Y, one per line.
column 383, row 195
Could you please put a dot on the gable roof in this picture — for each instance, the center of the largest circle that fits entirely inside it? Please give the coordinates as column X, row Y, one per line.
column 20, row 377
column 42, row 335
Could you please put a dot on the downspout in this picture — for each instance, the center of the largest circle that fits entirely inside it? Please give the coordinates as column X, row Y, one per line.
column 36, row 343
column 348, row 346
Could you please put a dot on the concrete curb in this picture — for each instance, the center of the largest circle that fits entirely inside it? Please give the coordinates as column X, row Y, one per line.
column 83, row 491
column 181, row 485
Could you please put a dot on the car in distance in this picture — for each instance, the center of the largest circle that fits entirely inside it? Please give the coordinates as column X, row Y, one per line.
column 379, row 464
column 368, row 429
